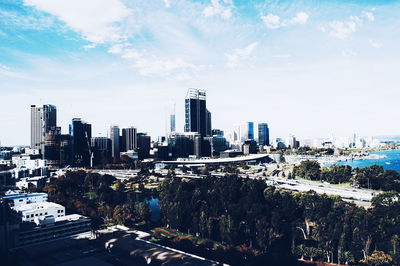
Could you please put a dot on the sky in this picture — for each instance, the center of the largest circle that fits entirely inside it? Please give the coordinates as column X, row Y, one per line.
column 309, row 68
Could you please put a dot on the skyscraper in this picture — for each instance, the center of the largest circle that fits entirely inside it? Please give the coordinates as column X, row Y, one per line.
column 208, row 124
column 143, row 145
column 42, row 119
column 263, row 134
column 196, row 112
column 114, row 136
column 129, row 139
column 243, row 132
column 172, row 121
column 80, row 132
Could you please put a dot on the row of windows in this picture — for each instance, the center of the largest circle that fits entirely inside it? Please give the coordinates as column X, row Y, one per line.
column 40, row 214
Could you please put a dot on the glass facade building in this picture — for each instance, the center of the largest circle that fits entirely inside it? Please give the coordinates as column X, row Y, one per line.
column 196, row 112
column 263, row 134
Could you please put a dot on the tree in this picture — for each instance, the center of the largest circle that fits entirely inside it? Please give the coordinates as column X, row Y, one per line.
column 308, row 170
column 378, row 258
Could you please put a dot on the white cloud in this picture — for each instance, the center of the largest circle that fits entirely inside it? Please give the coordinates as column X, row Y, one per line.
column 167, row 3
column 348, row 53
column 97, row 21
column 217, row 7
column 274, row 22
column 341, row 29
column 238, row 55
column 300, row 18
column 282, row 56
column 176, row 68
column 369, row 16
column 89, row 46
column 376, row 45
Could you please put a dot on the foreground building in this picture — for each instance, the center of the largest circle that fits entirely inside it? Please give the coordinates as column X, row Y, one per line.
column 33, row 220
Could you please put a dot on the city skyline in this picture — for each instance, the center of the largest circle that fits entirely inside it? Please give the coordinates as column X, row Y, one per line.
column 304, row 68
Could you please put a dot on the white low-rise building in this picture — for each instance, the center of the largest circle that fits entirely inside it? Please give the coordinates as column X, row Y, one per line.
column 36, row 213
column 17, row 199
column 36, row 181
column 34, row 207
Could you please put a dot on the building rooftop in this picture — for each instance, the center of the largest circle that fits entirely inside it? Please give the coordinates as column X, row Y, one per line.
column 35, row 206
column 23, row 195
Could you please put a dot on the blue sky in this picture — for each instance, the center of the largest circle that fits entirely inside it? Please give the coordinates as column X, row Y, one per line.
column 309, row 68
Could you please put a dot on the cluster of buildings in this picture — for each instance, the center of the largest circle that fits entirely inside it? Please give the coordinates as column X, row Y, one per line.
column 199, row 139
column 28, row 219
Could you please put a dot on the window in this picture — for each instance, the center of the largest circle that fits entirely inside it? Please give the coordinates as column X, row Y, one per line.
column 45, row 213
column 36, row 214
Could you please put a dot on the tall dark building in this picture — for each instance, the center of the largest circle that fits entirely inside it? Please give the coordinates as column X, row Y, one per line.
column 196, row 112
column 143, row 146
column 129, row 139
column 80, row 132
column 115, row 145
column 263, row 134
column 101, row 148
column 42, row 119
column 208, row 124
column 57, row 148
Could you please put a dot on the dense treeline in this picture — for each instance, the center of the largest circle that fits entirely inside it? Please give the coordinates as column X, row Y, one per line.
column 282, row 224
column 92, row 195
column 374, row 177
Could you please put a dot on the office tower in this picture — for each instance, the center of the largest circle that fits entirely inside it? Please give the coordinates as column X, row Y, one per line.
column 101, row 148
column 243, row 132
column 57, row 148
column 196, row 112
column 218, row 144
column 143, row 146
column 80, row 132
column 129, row 139
column 263, row 134
column 114, row 136
column 292, row 143
column 172, row 121
column 42, row 119
column 181, row 145
column 208, row 124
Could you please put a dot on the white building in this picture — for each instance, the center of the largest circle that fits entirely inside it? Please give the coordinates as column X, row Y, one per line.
column 38, row 212
column 34, row 207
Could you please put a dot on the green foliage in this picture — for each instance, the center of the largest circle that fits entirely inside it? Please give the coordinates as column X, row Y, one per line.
column 92, row 195
column 239, row 211
column 308, row 169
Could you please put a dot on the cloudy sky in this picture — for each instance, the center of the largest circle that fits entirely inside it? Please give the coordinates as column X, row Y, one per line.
column 309, row 68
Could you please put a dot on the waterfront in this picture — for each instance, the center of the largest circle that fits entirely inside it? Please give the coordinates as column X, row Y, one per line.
column 390, row 161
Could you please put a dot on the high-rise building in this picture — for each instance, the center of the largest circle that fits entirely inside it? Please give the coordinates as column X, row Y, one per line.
column 143, row 146
column 80, row 132
column 114, row 136
column 208, row 124
column 243, row 132
column 57, row 148
column 129, row 139
column 196, row 112
column 101, row 148
column 172, row 121
column 263, row 134
column 42, row 119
